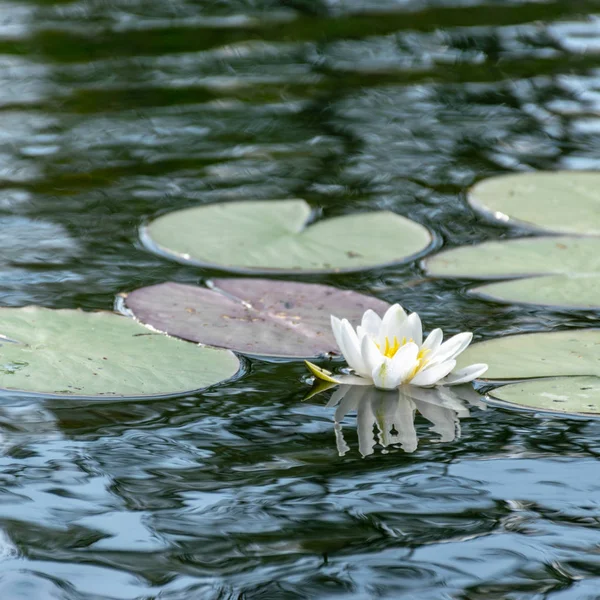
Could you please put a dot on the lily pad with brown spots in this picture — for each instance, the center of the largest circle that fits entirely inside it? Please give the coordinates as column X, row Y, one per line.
column 260, row 317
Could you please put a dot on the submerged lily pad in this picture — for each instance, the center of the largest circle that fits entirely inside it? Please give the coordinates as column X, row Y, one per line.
column 561, row 201
column 568, row 395
column 565, row 270
column 273, row 236
column 81, row 354
column 252, row 316
column 531, row 355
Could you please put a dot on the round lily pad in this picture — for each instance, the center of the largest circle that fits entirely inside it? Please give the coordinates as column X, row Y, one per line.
column 92, row 355
column 274, row 236
column 567, row 395
column 545, row 354
column 565, row 270
column 581, row 291
column 561, row 201
column 253, row 316
column 518, row 258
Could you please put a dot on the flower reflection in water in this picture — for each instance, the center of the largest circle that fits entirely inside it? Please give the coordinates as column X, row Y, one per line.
column 386, row 418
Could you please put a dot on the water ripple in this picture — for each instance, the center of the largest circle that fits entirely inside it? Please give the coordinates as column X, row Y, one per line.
column 113, row 112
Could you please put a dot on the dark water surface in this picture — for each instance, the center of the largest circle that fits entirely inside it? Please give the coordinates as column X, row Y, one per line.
column 113, row 111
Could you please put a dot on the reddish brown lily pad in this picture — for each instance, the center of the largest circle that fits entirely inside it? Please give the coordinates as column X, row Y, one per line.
column 259, row 317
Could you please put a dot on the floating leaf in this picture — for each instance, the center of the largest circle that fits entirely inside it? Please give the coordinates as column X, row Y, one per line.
column 546, row 354
column 518, row 258
column 566, row 269
column 562, row 201
column 101, row 354
column 273, row 236
column 562, row 291
column 253, row 316
column 572, row 395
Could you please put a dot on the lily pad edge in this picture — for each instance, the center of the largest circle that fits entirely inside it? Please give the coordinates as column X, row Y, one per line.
column 10, row 392
column 120, row 307
column 155, row 248
column 481, row 292
column 492, row 400
column 496, row 217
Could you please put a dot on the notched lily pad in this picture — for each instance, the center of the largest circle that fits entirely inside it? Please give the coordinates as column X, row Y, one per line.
column 559, row 201
column 252, row 316
column 273, row 236
column 577, row 291
column 100, row 355
column 531, row 355
column 565, row 395
column 552, row 271
column 560, row 370
column 566, row 270
column 520, row 257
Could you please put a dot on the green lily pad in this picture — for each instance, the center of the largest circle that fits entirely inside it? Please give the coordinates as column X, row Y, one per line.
column 260, row 317
column 273, row 236
column 90, row 355
column 518, row 258
column 561, row 201
column 560, row 291
column 567, row 395
column 555, row 271
column 531, row 355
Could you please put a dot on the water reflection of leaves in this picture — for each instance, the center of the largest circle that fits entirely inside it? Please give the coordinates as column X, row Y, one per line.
column 392, row 414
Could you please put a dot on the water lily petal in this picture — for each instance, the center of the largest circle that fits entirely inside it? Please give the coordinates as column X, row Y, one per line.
column 351, row 349
column 336, row 328
column 431, row 375
column 380, row 376
column 433, row 340
column 371, row 355
column 391, row 324
column 451, row 348
column 391, row 372
column 465, row 375
column 353, row 380
column 371, row 323
column 414, row 329
column 404, row 362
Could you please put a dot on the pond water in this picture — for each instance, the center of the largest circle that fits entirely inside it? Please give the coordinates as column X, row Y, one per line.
column 113, row 112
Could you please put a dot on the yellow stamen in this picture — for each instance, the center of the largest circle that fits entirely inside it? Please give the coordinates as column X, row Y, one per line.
column 421, row 362
column 390, row 348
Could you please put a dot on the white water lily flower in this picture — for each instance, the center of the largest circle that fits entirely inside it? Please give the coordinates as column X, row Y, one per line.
column 388, row 352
